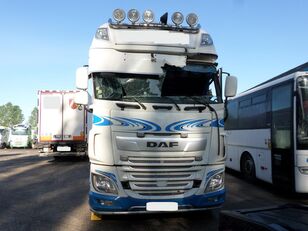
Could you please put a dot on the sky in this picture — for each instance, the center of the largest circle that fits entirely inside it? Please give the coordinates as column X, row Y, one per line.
column 42, row 43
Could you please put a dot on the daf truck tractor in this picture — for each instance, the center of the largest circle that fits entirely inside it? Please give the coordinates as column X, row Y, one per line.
column 156, row 142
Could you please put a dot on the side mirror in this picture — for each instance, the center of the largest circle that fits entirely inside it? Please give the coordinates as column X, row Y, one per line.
column 230, row 86
column 82, row 78
column 82, row 98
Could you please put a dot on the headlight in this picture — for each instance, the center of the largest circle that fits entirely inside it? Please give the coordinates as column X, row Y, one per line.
column 133, row 15
column 206, row 40
column 192, row 19
column 303, row 170
column 148, row 16
column 104, row 184
column 215, row 183
column 102, row 33
column 177, row 18
column 118, row 15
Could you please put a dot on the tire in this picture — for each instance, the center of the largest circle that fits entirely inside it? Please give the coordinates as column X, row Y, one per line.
column 248, row 168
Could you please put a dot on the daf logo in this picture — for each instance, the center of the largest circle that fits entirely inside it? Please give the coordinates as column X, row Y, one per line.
column 152, row 144
column 161, row 183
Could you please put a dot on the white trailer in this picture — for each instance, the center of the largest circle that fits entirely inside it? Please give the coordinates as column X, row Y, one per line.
column 61, row 124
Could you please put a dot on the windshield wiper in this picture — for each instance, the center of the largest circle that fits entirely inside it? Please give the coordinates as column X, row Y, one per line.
column 200, row 109
column 137, row 101
column 173, row 101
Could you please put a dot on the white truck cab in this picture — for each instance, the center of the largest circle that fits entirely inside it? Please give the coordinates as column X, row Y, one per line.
column 156, row 142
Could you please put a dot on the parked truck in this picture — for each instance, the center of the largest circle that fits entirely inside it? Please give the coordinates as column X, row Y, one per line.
column 20, row 136
column 62, row 125
column 156, row 143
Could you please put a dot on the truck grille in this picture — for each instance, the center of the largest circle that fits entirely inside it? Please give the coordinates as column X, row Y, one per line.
column 153, row 177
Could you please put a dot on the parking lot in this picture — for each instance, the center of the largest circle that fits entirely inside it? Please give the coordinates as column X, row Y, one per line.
column 43, row 194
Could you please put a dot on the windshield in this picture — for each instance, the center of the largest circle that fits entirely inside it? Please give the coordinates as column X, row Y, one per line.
column 19, row 132
column 302, row 112
column 182, row 85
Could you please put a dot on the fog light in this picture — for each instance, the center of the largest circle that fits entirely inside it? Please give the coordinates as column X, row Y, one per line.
column 177, row 18
column 118, row 15
column 133, row 15
column 192, row 19
column 148, row 16
column 107, row 203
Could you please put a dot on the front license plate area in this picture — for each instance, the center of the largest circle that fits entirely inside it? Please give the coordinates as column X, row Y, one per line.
column 162, row 206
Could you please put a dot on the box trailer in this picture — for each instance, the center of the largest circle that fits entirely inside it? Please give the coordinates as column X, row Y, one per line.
column 62, row 125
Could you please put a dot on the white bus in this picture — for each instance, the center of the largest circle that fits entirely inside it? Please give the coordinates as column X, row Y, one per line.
column 20, row 136
column 267, row 131
column 156, row 143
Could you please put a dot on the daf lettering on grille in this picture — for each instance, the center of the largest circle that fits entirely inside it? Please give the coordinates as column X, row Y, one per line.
column 152, row 144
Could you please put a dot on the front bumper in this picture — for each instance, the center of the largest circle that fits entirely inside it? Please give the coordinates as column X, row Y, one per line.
column 105, row 204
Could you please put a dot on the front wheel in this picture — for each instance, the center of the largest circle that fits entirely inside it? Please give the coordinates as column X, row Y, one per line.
column 248, row 168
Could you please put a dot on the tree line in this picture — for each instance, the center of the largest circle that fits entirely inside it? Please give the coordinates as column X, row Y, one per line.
column 12, row 114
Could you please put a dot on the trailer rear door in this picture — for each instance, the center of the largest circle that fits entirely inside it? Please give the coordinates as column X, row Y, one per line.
column 50, row 116
column 73, row 119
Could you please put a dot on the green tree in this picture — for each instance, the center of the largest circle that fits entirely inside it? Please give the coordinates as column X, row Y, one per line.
column 33, row 118
column 10, row 115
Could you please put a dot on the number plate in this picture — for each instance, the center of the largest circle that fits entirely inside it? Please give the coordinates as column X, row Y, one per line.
column 162, row 206
column 63, row 149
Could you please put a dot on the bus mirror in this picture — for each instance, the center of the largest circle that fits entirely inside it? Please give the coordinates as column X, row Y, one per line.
column 230, row 86
column 82, row 98
column 82, row 78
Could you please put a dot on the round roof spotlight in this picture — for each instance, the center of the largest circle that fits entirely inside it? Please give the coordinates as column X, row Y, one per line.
column 118, row 15
column 192, row 19
column 133, row 15
column 148, row 16
column 177, row 18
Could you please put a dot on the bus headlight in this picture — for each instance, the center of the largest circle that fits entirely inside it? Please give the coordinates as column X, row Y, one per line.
column 104, row 184
column 206, row 40
column 303, row 170
column 215, row 183
column 102, row 33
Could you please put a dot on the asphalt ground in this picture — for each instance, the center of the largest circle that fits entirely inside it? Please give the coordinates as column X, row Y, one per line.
column 40, row 193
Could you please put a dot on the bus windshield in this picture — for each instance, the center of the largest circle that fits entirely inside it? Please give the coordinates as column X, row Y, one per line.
column 302, row 112
column 176, row 83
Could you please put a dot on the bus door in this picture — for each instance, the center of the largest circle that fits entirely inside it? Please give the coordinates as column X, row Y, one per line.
column 281, row 136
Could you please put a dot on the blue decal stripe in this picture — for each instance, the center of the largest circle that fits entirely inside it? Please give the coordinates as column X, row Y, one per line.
column 138, row 124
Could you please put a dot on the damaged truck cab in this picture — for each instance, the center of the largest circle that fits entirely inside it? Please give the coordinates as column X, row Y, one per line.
column 156, row 142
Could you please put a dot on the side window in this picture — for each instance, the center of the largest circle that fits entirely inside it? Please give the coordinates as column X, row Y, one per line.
column 232, row 119
column 282, row 116
column 252, row 112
